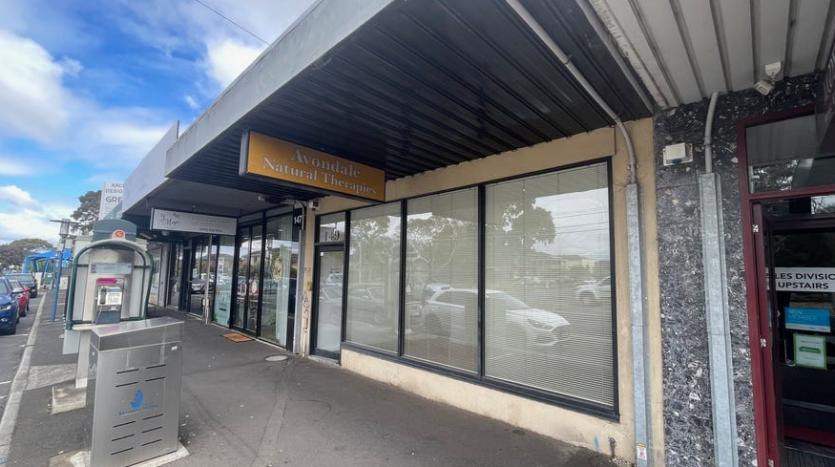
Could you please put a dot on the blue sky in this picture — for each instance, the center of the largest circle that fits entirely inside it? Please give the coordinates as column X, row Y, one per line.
column 87, row 87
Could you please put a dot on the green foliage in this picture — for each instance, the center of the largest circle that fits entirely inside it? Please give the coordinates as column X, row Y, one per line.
column 12, row 254
column 88, row 211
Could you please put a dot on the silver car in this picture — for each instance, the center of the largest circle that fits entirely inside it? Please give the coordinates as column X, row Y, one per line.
column 453, row 313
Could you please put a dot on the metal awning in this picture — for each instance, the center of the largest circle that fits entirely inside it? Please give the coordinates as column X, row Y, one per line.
column 408, row 87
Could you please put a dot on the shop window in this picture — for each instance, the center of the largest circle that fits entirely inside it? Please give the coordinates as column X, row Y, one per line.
column 784, row 155
column 548, row 298
column 442, row 279
column 374, row 277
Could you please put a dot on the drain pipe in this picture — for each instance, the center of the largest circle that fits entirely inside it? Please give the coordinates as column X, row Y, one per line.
column 577, row 75
column 711, row 109
column 636, row 251
column 723, row 400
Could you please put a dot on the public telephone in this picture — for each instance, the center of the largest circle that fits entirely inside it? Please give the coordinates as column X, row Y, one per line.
column 108, row 308
column 110, row 283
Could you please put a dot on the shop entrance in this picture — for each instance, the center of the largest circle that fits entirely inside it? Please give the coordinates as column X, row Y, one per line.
column 330, row 262
column 796, row 319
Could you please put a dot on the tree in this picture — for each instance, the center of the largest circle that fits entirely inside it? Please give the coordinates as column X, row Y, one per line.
column 88, row 212
column 12, row 254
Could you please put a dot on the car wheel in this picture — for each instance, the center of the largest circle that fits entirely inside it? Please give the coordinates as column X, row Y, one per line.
column 378, row 316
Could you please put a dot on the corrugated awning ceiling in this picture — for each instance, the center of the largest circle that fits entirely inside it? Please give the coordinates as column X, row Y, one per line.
column 427, row 84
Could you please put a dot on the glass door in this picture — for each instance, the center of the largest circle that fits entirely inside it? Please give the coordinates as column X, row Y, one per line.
column 279, row 290
column 175, row 273
column 223, row 280
column 327, row 306
column 242, row 280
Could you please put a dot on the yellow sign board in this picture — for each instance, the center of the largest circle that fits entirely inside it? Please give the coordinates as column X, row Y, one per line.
column 282, row 160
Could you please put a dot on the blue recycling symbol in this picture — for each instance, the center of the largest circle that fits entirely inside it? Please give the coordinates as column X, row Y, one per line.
column 137, row 400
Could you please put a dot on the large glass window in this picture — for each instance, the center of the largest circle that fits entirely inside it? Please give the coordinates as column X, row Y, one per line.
column 374, row 277
column 548, row 307
column 442, row 279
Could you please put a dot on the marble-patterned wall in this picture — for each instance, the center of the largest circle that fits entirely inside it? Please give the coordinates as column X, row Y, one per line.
column 687, row 399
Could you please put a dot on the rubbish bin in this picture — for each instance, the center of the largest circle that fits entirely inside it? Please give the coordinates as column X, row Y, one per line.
column 134, row 386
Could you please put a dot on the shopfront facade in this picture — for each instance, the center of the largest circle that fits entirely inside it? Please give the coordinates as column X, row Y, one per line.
column 524, row 251
column 496, row 286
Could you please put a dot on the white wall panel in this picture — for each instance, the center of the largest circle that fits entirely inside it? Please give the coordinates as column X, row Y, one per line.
column 771, row 20
column 734, row 19
column 630, row 27
column 701, row 32
column 809, row 30
column 665, row 35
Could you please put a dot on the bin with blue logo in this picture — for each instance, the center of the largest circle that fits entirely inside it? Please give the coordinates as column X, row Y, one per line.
column 134, row 385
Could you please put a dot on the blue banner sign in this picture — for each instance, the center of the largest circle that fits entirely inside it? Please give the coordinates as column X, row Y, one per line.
column 807, row 319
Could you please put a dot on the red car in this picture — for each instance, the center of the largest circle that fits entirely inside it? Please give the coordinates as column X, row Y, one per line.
column 21, row 294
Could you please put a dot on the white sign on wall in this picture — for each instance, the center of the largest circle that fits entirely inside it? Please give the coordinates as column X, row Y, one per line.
column 177, row 221
column 111, row 196
column 805, row 279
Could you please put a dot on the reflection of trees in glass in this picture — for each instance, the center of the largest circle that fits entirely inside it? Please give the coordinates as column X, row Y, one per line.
column 374, row 241
column 441, row 240
column 523, row 224
column 775, row 177
column 805, row 250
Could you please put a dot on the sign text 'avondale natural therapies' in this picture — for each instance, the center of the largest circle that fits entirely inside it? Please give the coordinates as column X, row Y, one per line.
column 282, row 160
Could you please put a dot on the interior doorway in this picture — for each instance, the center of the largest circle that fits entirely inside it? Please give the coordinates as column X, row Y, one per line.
column 796, row 320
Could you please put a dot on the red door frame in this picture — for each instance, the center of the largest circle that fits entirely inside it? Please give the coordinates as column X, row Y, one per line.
column 767, row 432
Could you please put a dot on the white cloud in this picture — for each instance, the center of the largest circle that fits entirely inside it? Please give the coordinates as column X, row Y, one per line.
column 27, row 218
column 71, row 66
column 227, row 58
column 191, row 101
column 32, row 98
column 32, row 224
column 13, row 167
column 16, row 196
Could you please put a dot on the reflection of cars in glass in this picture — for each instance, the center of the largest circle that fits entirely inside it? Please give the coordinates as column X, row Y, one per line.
column 21, row 293
column 453, row 313
column 432, row 288
column 595, row 292
column 330, row 304
column 367, row 302
column 8, row 308
column 198, row 285
column 334, row 278
column 27, row 279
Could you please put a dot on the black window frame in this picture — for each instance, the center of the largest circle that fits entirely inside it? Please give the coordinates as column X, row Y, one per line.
column 611, row 413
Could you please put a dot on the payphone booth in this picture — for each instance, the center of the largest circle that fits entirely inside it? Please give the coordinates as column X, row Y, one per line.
column 110, row 283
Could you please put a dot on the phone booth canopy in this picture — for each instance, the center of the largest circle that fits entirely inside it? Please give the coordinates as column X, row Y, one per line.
column 111, row 277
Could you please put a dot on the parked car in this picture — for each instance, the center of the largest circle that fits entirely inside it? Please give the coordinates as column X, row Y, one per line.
column 367, row 302
column 27, row 279
column 453, row 313
column 198, row 285
column 21, row 294
column 594, row 292
column 8, row 308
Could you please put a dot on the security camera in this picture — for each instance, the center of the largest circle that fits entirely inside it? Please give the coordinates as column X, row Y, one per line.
column 772, row 71
column 314, row 205
column 764, row 87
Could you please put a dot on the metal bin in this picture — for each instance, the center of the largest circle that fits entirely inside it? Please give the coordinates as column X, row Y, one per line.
column 134, row 386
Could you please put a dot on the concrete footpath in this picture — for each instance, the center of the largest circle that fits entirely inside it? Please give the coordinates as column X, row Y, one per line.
column 239, row 409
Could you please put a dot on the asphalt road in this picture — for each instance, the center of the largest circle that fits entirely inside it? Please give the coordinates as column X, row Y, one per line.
column 11, row 350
